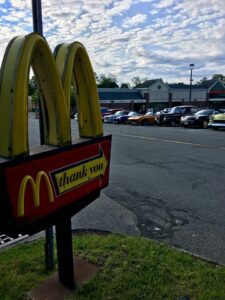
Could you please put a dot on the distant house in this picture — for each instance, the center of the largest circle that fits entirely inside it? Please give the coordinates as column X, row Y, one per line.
column 126, row 98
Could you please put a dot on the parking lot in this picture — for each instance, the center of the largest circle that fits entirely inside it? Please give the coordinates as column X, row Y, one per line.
column 172, row 179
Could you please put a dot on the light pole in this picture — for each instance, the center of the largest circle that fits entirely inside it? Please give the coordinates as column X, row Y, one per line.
column 191, row 68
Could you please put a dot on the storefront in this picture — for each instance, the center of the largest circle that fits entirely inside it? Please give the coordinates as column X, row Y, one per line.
column 130, row 99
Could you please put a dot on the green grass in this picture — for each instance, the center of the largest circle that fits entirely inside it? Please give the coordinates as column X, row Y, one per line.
column 130, row 268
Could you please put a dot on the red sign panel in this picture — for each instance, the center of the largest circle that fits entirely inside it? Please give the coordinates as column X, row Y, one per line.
column 46, row 183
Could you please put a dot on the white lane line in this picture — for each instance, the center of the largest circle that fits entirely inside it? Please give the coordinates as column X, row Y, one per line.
column 168, row 141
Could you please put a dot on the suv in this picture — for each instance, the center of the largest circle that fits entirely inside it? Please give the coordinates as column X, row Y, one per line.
column 173, row 116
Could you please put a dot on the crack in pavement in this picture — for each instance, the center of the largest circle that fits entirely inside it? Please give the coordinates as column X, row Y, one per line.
column 155, row 218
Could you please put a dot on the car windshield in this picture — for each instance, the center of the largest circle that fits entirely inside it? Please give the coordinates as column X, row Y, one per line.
column 118, row 113
column 220, row 111
column 204, row 112
column 133, row 114
column 150, row 113
column 176, row 110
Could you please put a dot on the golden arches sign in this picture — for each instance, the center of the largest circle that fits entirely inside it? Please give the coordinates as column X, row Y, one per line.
column 72, row 173
column 35, row 189
column 71, row 65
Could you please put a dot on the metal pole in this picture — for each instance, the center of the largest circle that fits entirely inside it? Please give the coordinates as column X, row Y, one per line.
column 49, row 249
column 65, row 252
column 37, row 16
column 190, row 92
column 37, row 26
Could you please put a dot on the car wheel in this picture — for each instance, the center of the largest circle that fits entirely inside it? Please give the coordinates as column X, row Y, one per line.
column 215, row 128
column 205, row 124
column 172, row 123
column 186, row 126
column 144, row 122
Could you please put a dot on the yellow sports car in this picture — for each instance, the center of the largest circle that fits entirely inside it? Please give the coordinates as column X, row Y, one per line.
column 217, row 121
column 146, row 119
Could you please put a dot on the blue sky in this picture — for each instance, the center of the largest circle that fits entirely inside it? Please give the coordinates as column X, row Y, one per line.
column 127, row 38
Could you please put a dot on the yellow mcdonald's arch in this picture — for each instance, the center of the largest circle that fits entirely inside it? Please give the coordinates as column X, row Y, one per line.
column 71, row 65
column 36, row 191
column 74, row 66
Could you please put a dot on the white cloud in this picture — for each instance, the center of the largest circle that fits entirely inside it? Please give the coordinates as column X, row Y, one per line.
column 130, row 37
column 164, row 3
column 120, row 7
column 135, row 20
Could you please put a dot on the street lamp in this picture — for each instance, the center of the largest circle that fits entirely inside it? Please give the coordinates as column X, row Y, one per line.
column 191, row 68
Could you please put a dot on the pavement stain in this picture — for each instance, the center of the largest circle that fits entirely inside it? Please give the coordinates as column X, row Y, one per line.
column 155, row 219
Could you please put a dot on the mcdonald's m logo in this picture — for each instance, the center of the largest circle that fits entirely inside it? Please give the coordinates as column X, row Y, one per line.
column 35, row 185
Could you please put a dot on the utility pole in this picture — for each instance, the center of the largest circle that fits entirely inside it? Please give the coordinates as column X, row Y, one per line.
column 191, row 68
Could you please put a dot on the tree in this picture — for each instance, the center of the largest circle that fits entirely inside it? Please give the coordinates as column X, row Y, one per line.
column 72, row 100
column 32, row 86
column 201, row 81
column 181, row 84
column 137, row 81
column 109, row 81
column 125, row 85
column 219, row 76
column 34, row 97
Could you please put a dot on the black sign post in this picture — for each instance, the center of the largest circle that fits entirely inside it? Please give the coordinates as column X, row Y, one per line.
column 49, row 247
column 65, row 253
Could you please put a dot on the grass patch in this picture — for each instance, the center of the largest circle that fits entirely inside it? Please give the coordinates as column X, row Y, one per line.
column 21, row 268
column 131, row 268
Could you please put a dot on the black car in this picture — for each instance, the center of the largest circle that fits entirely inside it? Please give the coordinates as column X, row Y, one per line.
column 173, row 116
column 199, row 119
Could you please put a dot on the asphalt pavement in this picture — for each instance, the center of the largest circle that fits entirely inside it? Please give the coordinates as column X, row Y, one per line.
column 104, row 214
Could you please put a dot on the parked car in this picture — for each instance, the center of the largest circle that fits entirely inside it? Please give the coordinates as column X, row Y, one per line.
column 217, row 121
column 108, row 111
column 199, row 119
column 148, row 118
column 110, row 118
column 159, row 112
column 104, row 109
column 174, row 115
column 123, row 119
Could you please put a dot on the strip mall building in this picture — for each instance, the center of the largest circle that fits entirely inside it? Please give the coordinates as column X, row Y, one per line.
column 158, row 95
